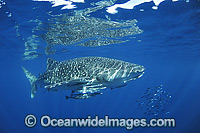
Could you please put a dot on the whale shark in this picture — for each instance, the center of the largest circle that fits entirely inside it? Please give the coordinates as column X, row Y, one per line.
column 84, row 76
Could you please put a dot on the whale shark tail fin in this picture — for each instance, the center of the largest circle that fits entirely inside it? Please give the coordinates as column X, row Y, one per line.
column 32, row 79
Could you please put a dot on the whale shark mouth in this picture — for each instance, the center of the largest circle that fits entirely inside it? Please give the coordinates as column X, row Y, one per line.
column 140, row 75
column 136, row 76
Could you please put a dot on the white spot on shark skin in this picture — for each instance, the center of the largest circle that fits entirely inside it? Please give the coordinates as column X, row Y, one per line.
column 132, row 3
column 66, row 4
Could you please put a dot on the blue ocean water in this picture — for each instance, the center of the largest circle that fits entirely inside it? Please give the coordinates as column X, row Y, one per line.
column 168, row 48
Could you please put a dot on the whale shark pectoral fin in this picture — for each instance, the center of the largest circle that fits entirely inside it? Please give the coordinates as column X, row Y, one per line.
column 77, row 82
column 116, row 83
column 122, row 85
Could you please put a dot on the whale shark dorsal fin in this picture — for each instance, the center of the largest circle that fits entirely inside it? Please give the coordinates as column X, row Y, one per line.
column 51, row 63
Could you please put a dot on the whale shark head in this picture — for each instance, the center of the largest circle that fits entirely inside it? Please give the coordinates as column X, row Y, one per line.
column 136, row 72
